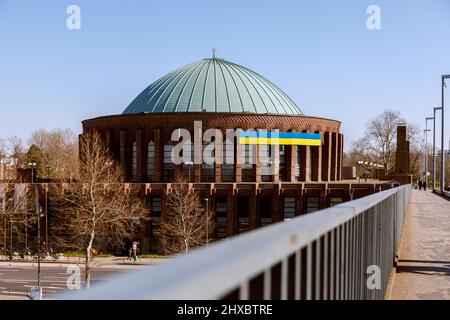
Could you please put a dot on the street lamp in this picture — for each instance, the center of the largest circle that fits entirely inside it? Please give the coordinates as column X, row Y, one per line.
column 40, row 215
column 426, row 145
column 425, row 153
column 434, row 145
column 442, row 187
column 32, row 165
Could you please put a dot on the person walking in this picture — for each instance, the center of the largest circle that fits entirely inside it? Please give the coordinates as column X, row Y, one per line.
column 424, row 185
column 420, row 185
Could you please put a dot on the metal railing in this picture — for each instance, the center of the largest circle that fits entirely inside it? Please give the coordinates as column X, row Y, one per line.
column 329, row 254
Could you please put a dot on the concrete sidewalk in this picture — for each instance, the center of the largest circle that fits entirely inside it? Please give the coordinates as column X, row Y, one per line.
column 99, row 262
column 424, row 256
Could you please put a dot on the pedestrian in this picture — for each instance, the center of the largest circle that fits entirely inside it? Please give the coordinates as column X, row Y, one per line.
column 130, row 252
column 420, row 185
column 134, row 251
column 424, row 185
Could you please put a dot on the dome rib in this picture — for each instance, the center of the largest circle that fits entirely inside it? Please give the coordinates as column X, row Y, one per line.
column 257, row 91
column 202, row 106
column 185, row 85
column 245, row 86
column 213, row 85
column 225, row 84
column 236, row 87
column 185, row 76
column 195, row 84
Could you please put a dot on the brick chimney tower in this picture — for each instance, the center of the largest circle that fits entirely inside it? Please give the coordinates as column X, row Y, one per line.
column 402, row 169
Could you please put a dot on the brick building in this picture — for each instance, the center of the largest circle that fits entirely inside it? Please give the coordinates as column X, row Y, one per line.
column 223, row 95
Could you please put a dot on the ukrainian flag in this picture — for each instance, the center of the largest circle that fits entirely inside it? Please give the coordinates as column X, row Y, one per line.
column 282, row 138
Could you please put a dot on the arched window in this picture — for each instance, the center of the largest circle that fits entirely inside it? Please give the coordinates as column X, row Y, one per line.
column 150, row 161
column 134, row 162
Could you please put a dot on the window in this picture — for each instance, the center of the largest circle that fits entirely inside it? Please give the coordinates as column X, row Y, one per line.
column 221, row 216
column 265, row 210
column 282, row 162
column 289, row 208
column 151, row 161
column 248, row 159
column 266, row 162
column 208, row 170
column 156, row 211
column 168, row 164
column 297, row 164
column 188, row 167
column 312, row 205
column 242, row 213
column 228, row 161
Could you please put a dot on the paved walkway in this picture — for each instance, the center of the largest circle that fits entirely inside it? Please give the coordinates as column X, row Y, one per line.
column 424, row 257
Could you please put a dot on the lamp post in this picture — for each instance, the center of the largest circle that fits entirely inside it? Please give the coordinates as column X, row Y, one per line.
column 46, row 218
column 426, row 145
column 442, row 184
column 32, row 165
column 434, row 146
column 425, row 152
column 39, row 246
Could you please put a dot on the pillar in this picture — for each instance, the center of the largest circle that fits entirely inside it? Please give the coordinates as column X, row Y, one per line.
column 140, row 169
column 334, row 156
column 198, row 152
column 316, row 163
column 326, row 158
column 305, row 163
column 298, row 201
column 340, row 156
column 218, row 145
column 237, row 161
column 231, row 213
column 276, row 212
column 275, row 151
column 123, row 157
column 158, row 154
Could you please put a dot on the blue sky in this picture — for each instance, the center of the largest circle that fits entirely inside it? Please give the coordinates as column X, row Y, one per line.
column 319, row 52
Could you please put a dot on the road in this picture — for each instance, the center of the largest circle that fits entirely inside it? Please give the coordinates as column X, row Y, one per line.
column 17, row 278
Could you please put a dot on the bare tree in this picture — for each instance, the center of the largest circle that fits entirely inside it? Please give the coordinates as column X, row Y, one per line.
column 186, row 223
column 19, row 209
column 99, row 207
column 16, row 151
column 59, row 152
column 380, row 141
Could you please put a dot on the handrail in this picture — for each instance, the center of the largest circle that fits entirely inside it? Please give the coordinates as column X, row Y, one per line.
column 316, row 248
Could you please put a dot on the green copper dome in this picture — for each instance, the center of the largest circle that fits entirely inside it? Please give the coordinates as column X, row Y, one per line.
column 213, row 85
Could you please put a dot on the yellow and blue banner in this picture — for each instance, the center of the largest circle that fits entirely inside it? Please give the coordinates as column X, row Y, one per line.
column 281, row 138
